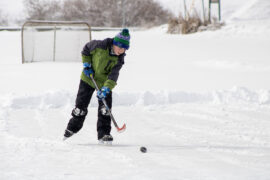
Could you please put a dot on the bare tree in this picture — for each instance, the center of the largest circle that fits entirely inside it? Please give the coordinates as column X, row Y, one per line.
column 145, row 13
column 86, row 10
column 3, row 20
column 100, row 12
column 43, row 10
column 96, row 12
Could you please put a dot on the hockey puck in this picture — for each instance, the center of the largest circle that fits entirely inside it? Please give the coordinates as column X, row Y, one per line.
column 143, row 149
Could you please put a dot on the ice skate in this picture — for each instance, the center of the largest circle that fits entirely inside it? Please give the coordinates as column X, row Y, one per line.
column 106, row 140
column 67, row 134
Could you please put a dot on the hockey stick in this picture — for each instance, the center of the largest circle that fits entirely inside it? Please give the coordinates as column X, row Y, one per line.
column 123, row 128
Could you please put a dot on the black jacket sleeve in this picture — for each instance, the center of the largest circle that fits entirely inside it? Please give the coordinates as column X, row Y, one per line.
column 92, row 45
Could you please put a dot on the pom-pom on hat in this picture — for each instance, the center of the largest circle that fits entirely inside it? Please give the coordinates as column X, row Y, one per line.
column 122, row 39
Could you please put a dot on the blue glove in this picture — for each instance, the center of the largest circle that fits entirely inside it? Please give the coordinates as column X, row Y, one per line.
column 87, row 69
column 103, row 92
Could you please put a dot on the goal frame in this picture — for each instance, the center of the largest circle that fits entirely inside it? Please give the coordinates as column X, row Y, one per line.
column 53, row 24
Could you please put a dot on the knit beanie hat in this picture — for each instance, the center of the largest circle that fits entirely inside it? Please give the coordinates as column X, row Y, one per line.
column 122, row 39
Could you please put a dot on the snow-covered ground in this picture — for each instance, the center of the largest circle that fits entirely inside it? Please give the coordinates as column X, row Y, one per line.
column 200, row 103
column 184, row 141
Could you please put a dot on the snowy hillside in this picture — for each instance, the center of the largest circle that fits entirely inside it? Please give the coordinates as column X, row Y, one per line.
column 253, row 10
column 230, row 10
column 199, row 103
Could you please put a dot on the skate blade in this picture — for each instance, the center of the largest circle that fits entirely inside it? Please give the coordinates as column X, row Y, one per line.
column 64, row 138
column 105, row 143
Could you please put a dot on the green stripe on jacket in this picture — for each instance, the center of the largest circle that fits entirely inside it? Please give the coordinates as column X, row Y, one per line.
column 102, row 64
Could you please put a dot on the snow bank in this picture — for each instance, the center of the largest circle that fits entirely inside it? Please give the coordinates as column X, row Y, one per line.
column 58, row 99
column 253, row 10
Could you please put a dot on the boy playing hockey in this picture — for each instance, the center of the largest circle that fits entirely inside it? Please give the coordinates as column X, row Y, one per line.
column 103, row 60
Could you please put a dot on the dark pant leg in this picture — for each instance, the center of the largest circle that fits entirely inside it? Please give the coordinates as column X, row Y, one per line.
column 79, row 113
column 84, row 95
column 104, row 121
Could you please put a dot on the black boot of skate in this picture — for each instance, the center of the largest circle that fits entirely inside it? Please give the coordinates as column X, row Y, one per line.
column 67, row 134
column 106, row 140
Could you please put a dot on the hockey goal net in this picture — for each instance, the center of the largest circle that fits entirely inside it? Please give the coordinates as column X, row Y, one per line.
column 54, row 41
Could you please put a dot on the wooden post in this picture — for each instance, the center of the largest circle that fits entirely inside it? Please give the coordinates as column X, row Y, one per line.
column 209, row 11
column 203, row 11
column 185, row 7
column 219, row 9
column 54, row 42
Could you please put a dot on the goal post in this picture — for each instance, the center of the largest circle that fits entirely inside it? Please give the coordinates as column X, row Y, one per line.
column 59, row 41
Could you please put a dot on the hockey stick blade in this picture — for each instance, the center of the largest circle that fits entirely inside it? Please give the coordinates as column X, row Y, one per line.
column 122, row 129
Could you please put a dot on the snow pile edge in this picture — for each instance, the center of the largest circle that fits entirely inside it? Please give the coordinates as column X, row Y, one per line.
column 58, row 99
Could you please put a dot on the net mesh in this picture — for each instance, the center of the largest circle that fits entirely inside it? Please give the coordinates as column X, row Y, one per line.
column 42, row 41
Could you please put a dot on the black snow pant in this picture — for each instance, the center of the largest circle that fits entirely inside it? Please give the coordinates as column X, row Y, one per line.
column 79, row 113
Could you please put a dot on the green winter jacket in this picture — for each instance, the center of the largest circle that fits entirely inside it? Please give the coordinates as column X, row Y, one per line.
column 105, row 65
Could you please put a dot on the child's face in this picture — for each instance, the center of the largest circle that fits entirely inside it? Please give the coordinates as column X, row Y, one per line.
column 118, row 51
